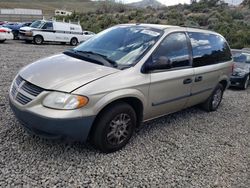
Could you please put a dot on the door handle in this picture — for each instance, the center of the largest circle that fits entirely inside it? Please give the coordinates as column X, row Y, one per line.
column 198, row 78
column 187, row 81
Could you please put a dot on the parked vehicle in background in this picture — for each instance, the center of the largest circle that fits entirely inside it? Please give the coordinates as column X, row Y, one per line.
column 15, row 27
column 5, row 34
column 52, row 31
column 3, row 22
column 241, row 72
column 102, row 89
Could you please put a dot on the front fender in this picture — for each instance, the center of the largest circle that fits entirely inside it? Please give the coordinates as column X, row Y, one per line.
column 120, row 94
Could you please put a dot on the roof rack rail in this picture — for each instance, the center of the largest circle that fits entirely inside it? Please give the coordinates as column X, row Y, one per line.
column 192, row 26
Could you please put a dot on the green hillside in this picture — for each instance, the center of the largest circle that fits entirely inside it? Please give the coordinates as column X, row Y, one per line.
column 231, row 22
column 49, row 6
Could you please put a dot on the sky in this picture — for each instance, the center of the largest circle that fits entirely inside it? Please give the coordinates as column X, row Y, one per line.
column 174, row 2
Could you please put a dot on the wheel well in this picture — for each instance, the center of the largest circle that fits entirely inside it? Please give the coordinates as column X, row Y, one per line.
column 135, row 103
column 39, row 36
column 224, row 84
column 74, row 38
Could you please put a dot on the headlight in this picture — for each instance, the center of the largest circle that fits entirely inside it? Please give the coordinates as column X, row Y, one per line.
column 64, row 101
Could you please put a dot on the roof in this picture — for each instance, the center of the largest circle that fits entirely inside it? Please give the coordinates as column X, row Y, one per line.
column 164, row 27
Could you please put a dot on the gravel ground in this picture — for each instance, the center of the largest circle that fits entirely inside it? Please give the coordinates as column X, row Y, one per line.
column 190, row 148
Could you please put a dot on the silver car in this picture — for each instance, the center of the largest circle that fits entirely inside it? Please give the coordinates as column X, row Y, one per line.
column 103, row 89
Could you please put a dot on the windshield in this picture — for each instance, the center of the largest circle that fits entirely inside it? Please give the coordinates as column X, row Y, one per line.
column 37, row 24
column 124, row 45
column 241, row 57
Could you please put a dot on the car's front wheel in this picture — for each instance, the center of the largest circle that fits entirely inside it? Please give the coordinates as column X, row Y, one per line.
column 38, row 39
column 246, row 82
column 114, row 127
column 213, row 102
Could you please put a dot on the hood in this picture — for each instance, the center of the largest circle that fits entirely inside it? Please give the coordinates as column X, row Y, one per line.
column 244, row 66
column 26, row 28
column 63, row 73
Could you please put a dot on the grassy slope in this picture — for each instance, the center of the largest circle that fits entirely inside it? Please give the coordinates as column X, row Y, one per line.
column 49, row 6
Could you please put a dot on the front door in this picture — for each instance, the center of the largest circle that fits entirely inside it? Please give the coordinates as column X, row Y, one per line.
column 170, row 88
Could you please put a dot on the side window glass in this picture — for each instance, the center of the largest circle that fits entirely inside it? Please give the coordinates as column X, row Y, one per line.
column 208, row 49
column 248, row 59
column 48, row 26
column 173, row 51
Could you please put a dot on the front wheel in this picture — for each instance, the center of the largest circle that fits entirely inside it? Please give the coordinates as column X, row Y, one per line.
column 213, row 102
column 38, row 39
column 246, row 82
column 114, row 127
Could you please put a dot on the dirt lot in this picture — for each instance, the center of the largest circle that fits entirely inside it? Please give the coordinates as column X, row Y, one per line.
column 190, row 148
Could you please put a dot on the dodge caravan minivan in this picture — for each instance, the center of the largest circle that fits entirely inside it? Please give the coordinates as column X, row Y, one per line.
column 104, row 88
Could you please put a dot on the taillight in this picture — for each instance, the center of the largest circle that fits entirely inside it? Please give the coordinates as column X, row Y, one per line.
column 3, row 31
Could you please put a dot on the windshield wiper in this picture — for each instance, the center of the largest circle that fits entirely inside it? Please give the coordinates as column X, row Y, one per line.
column 108, row 60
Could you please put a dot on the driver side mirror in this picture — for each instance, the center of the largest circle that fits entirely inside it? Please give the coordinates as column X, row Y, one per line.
column 160, row 64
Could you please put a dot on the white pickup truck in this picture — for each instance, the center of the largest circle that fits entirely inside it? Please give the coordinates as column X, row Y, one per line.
column 53, row 31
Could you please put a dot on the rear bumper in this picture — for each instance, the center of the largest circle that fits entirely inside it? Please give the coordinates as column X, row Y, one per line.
column 76, row 129
column 237, row 81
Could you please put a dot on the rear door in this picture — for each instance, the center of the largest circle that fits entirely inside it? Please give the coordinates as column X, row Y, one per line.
column 170, row 88
column 209, row 52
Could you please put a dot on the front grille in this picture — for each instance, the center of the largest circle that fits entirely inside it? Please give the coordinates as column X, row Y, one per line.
column 24, row 92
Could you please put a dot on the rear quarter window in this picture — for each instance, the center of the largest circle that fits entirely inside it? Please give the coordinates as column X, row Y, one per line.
column 209, row 49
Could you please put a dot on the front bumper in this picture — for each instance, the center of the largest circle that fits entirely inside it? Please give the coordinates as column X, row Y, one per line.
column 237, row 81
column 76, row 129
column 24, row 37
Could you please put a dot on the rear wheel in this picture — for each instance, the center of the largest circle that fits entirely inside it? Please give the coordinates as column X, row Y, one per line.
column 246, row 82
column 38, row 39
column 213, row 102
column 2, row 41
column 114, row 127
column 73, row 41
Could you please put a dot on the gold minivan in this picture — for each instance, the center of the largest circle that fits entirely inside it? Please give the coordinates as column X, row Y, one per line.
column 104, row 88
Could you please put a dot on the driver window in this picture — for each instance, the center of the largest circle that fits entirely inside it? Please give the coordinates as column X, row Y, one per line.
column 48, row 26
column 173, row 50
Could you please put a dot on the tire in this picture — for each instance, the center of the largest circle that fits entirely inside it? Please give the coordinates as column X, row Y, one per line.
column 38, row 39
column 109, row 133
column 213, row 102
column 246, row 82
column 73, row 41
column 2, row 41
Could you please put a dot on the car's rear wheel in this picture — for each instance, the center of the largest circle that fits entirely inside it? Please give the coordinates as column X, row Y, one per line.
column 114, row 127
column 2, row 41
column 38, row 39
column 213, row 102
column 246, row 82
column 73, row 41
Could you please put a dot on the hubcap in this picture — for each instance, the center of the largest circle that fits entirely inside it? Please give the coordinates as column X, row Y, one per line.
column 119, row 129
column 217, row 98
column 38, row 40
column 74, row 42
